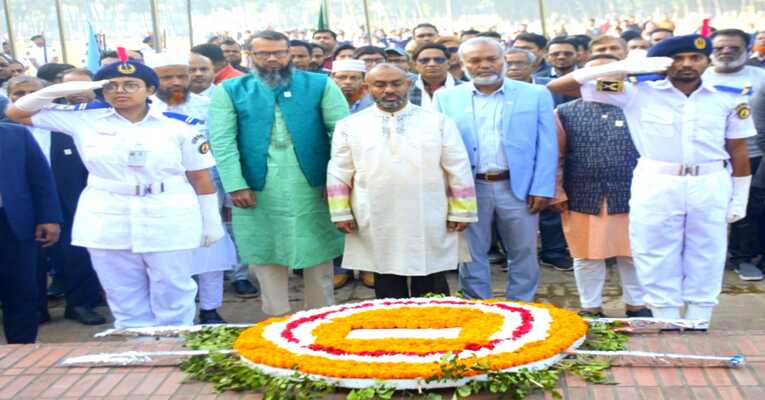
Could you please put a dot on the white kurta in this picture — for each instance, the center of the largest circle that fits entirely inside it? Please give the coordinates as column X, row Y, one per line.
column 401, row 176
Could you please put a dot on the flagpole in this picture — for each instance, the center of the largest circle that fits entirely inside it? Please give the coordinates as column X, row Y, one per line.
column 325, row 6
column 191, row 26
column 542, row 16
column 155, row 25
column 366, row 17
column 61, row 35
column 9, row 26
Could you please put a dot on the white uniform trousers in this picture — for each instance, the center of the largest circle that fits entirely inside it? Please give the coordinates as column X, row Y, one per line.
column 210, row 290
column 147, row 289
column 678, row 235
column 591, row 276
column 318, row 288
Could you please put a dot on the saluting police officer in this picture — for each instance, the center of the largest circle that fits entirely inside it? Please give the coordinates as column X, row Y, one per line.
column 690, row 136
column 149, row 198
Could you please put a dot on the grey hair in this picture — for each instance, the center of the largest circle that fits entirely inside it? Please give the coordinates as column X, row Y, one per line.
column 518, row 50
column 16, row 80
column 480, row 40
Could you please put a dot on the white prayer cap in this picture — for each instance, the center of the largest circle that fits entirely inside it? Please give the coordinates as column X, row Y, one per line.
column 165, row 59
column 349, row 66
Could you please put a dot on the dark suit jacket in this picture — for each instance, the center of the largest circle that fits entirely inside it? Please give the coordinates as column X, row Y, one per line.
column 68, row 171
column 26, row 183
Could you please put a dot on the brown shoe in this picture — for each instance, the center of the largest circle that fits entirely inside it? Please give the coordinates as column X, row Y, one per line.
column 367, row 279
column 341, row 280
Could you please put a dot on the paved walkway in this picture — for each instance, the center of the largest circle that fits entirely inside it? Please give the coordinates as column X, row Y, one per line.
column 30, row 372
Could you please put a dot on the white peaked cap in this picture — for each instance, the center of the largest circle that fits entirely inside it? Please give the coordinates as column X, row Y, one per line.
column 349, row 66
column 165, row 59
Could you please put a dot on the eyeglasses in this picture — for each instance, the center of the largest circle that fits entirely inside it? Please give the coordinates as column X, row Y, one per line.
column 427, row 60
column 127, row 87
column 263, row 55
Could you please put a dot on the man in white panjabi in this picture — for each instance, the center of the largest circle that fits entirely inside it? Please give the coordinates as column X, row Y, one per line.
column 400, row 187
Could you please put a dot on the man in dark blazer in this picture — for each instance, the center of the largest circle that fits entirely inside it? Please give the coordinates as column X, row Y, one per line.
column 29, row 218
column 81, row 287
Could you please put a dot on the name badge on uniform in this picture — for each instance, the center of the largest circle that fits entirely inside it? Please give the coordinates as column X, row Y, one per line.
column 619, row 124
column 136, row 156
column 288, row 94
column 68, row 152
column 610, row 86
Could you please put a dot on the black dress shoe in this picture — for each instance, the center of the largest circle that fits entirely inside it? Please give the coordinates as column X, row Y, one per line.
column 560, row 263
column 245, row 289
column 84, row 315
column 641, row 313
column 43, row 317
column 210, row 317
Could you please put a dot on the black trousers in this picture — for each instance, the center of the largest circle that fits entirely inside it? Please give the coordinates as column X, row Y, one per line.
column 18, row 286
column 75, row 270
column 388, row 286
column 746, row 239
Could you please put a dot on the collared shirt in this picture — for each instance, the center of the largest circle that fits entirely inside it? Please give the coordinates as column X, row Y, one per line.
column 208, row 92
column 42, row 137
column 155, row 222
column 487, row 117
column 196, row 106
column 747, row 76
column 666, row 125
column 227, row 72
column 426, row 101
column 362, row 103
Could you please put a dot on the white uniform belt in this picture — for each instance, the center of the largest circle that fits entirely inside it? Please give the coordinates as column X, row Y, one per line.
column 666, row 168
column 170, row 184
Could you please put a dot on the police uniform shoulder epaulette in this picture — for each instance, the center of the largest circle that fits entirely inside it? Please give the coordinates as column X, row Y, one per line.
column 645, row 78
column 183, row 118
column 96, row 105
column 745, row 91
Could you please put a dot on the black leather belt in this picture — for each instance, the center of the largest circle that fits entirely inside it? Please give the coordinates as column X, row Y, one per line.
column 494, row 176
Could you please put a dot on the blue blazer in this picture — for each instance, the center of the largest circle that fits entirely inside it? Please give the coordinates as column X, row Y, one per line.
column 26, row 183
column 529, row 137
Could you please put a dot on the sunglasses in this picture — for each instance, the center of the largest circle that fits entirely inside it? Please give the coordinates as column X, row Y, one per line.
column 427, row 60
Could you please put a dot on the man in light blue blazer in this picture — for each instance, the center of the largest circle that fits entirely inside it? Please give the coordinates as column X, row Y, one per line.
column 509, row 131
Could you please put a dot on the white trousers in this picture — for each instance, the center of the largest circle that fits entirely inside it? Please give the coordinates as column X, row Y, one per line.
column 147, row 289
column 678, row 235
column 591, row 276
column 318, row 287
column 210, row 290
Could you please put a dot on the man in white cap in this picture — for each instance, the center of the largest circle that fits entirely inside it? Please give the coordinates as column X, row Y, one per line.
column 174, row 96
column 349, row 76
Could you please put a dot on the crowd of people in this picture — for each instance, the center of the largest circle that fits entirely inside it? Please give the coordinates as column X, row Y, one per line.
column 145, row 183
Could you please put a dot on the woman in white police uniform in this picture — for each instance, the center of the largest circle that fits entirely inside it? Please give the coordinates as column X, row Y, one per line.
column 149, row 199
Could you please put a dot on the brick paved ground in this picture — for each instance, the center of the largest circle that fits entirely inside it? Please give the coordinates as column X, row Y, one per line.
column 30, row 372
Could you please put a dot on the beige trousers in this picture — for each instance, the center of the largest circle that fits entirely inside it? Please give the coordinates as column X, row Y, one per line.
column 317, row 282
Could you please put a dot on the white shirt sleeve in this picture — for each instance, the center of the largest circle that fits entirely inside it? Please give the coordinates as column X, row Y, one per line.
column 195, row 150
column 737, row 127
column 59, row 121
column 591, row 93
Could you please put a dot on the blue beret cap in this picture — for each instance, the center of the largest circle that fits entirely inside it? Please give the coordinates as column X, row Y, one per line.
column 130, row 69
column 681, row 44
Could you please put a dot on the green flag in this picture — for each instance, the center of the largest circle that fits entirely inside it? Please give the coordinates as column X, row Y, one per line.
column 323, row 20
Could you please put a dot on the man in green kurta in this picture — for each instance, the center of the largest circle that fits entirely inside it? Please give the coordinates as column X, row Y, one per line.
column 270, row 135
